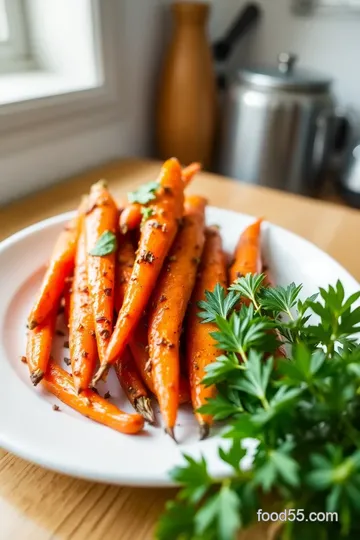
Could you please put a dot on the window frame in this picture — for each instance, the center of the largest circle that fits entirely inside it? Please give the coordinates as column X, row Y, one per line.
column 15, row 52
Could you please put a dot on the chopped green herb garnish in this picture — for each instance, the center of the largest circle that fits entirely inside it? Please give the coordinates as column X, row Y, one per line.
column 144, row 194
column 105, row 245
column 146, row 214
column 303, row 411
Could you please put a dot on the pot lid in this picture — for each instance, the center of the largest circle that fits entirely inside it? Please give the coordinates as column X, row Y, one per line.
column 285, row 76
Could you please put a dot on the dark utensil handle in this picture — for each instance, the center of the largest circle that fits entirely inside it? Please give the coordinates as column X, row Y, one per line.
column 248, row 16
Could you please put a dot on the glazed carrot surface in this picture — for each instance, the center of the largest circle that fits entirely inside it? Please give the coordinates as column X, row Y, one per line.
column 101, row 218
column 157, row 236
column 89, row 403
column 247, row 256
column 200, row 346
column 133, row 386
column 125, row 264
column 82, row 340
column 140, row 351
column 168, row 307
column 60, row 266
column 38, row 347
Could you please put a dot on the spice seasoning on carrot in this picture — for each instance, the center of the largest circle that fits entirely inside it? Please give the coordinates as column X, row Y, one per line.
column 165, row 328
column 144, row 276
column 38, row 347
column 89, row 403
column 200, row 346
column 247, row 257
column 100, row 226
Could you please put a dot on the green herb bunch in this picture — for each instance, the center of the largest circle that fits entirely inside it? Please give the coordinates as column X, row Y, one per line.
column 301, row 403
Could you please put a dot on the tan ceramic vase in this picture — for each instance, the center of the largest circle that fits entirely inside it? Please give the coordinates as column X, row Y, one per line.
column 186, row 114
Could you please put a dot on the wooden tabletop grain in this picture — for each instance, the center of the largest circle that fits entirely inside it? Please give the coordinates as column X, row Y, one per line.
column 37, row 504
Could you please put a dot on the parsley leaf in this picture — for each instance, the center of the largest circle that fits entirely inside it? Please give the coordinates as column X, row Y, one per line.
column 217, row 304
column 249, row 286
column 146, row 214
column 234, row 455
column 280, row 299
column 194, row 476
column 144, row 194
column 105, row 245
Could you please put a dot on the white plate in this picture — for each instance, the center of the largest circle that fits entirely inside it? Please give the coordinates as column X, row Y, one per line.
column 69, row 443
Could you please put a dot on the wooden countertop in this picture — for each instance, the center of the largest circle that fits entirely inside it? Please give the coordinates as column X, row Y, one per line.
column 36, row 504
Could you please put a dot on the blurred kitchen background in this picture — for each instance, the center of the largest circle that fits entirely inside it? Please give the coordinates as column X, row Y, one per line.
column 267, row 92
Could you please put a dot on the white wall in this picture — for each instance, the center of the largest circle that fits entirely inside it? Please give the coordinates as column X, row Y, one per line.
column 63, row 156
column 330, row 43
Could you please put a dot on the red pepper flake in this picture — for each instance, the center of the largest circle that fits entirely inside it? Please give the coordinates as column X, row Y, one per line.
column 105, row 274
column 108, row 291
column 167, row 190
column 162, row 298
column 23, row 359
column 92, row 333
column 67, row 361
column 84, row 354
column 56, row 407
column 105, row 334
column 107, row 395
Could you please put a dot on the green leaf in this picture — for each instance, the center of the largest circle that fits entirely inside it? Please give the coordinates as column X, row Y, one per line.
column 177, row 522
column 234, row 455
column 221, row 511
column 218, row 304
column 105, row 245
column 221, row 407
column 280, row 299
column 303, row 366
column 248, row 286
column 194, row 477
column 220, row 369
column 144, row 194
column 146, row 214
column 276, row 466
column 254, row 380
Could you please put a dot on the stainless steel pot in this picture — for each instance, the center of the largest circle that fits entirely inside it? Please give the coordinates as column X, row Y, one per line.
column 277, row 126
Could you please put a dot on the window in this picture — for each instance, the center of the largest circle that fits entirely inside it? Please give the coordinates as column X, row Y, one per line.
column 14, row 40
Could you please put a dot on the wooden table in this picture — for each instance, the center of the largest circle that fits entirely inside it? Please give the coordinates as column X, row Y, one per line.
column 36, row 504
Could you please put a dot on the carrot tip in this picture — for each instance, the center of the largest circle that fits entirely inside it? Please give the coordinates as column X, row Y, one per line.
column 170, row 431
column 143, row 407
column 99, row 374
column 36, row 376
column 204, row 431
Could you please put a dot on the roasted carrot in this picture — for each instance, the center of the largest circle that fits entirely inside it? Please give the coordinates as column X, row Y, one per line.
column 168, row 307
column 157, row 236
column 60, row 267
column 38, row 347
column 126, row 370
column 133, row 386
column 189, row 172
column 66, row 299
column 138, row 345
column 200, row 346
column 82, row 340
column 125, row 265
column 247, row 258
column 101, row 220
column 131, row 216
column 89, row 403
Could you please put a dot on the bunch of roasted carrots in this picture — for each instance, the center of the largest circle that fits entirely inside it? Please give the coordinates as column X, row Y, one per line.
column 130, row 280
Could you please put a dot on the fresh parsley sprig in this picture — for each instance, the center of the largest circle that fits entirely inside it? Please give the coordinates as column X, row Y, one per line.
column 303, row 411
column 145, row 193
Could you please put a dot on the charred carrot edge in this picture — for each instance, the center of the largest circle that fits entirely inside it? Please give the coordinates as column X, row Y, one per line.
column 38, row 347
column 167, row 309
column 89, row 403
column 133, row 386
column 200, row 346
column 157, row 235
column 60, row 267
column 247, row 257
column 82, row 340
column 101, row 217
column 131, row 216
column 140, row 352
